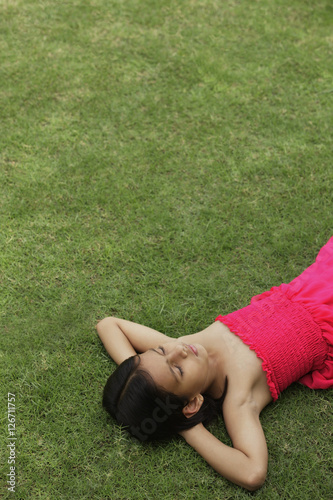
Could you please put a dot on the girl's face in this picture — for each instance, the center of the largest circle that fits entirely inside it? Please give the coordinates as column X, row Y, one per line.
column 179, row 368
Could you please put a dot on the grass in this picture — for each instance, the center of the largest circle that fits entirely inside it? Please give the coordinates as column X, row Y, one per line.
column 162, row 162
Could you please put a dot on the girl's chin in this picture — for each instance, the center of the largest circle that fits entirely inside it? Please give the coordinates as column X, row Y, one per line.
column 202, row 353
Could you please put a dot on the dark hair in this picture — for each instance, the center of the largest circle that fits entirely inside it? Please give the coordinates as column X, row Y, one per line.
column 147, row 411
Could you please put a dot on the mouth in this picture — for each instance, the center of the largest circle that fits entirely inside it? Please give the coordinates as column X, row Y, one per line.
column 193, row 349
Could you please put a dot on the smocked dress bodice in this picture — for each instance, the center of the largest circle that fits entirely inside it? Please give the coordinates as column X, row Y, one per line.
column 290, row 327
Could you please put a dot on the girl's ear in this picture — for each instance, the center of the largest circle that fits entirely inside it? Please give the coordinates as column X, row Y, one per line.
column 193, row 406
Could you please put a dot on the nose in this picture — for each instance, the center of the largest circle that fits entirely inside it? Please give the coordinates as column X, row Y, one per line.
column 178, row 352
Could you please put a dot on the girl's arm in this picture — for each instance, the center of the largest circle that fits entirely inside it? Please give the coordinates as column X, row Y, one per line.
column 246, row 463
column 123, row 339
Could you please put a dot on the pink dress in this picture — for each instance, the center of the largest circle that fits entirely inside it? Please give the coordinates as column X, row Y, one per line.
column 290, row 327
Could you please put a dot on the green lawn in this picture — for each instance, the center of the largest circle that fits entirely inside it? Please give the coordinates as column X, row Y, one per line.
column 161, row 161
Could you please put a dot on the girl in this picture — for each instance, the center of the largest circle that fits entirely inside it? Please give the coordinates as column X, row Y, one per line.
column 237, row 366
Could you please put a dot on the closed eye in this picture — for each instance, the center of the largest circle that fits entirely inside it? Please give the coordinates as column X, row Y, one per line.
column 160, row 348
column 180, row 370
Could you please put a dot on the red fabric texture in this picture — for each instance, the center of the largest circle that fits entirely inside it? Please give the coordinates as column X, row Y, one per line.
column 290, row 327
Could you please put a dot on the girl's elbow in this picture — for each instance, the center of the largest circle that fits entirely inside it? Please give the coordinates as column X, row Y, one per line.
column 99, row 326
column 256, row 479
column 103, row 324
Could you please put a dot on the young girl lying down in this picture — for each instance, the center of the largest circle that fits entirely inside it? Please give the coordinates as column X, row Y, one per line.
column 236, row 366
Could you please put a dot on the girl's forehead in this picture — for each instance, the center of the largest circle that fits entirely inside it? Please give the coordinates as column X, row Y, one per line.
column 158, row 368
